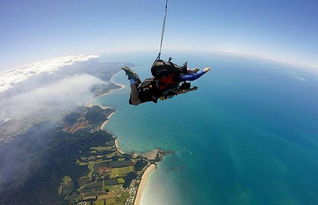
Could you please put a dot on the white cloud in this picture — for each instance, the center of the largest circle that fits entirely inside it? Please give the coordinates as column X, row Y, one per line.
column 22, row 73
column 47, row 90
column 50, row 100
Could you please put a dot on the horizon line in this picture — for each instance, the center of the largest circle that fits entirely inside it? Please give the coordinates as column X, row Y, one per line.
column 228, row 52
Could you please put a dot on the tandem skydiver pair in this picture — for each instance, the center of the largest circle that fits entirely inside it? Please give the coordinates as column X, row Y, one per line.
column 168, row 81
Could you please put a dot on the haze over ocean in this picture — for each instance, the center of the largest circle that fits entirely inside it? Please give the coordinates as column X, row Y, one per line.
column 247, row 136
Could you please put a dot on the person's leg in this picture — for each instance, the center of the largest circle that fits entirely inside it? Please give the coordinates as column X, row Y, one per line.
column 134, row 82
column 194, row 76
column 134, row 96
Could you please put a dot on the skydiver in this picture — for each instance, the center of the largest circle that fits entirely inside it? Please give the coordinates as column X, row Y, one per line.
column 161, row 86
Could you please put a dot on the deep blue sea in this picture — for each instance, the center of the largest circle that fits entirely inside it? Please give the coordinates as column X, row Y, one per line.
column 248, row 135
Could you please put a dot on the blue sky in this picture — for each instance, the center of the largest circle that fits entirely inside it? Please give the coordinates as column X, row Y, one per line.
column 32, row 30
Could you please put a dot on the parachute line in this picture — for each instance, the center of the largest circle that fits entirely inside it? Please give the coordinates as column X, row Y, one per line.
column 163, row 29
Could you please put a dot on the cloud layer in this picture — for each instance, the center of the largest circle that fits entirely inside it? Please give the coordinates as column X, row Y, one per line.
column 10, row 78
column 50, row 99
column 46, row 90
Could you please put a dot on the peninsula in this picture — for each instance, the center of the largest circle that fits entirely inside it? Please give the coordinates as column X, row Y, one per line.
column 109, row 176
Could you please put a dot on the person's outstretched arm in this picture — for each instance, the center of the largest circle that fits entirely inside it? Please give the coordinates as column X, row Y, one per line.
column 194, row 76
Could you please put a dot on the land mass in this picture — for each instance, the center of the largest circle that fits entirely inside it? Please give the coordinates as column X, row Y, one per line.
column 72, row 160
column 77, row 163
column 111, row 176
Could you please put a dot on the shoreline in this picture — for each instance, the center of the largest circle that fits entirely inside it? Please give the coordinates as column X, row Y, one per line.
column 150, row 168
column 117, row 147
column 112, row 81
column 106, row 107
column 108, row 118
column 143, row 182
column 121, row 86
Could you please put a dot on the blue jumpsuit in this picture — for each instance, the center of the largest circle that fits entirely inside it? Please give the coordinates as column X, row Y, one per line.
column 191, row 77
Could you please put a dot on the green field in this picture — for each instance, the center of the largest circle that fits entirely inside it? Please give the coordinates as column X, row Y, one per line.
column 121, row 172
column 101, row 149
column 99, row 202
column 113, row 188
column 120, row 180
column 111, row 201
column 121, row 199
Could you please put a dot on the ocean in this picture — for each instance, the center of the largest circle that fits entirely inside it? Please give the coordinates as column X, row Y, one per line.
column 248, row 135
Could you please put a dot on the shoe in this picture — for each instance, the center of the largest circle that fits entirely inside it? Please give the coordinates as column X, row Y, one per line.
column 131, row 74
column 207, row 69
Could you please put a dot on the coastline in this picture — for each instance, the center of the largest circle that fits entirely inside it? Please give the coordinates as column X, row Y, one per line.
column 121, row 86
column 112, row 81
column 150, row 168
column 104, row 123
column 105, row 107
column 143, row 183
column 117, row 147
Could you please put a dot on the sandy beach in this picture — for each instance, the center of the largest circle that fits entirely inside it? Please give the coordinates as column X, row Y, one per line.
column 115, row 89
column 143, row 183
column 117, row 147
column 108, row 118
column 112, row 81
column 105, row 107
column 109, row 91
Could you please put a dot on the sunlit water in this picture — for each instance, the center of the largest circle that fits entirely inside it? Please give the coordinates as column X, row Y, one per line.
column 249, row 135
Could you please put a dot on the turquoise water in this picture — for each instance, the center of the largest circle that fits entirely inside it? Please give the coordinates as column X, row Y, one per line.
column 249, row 135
